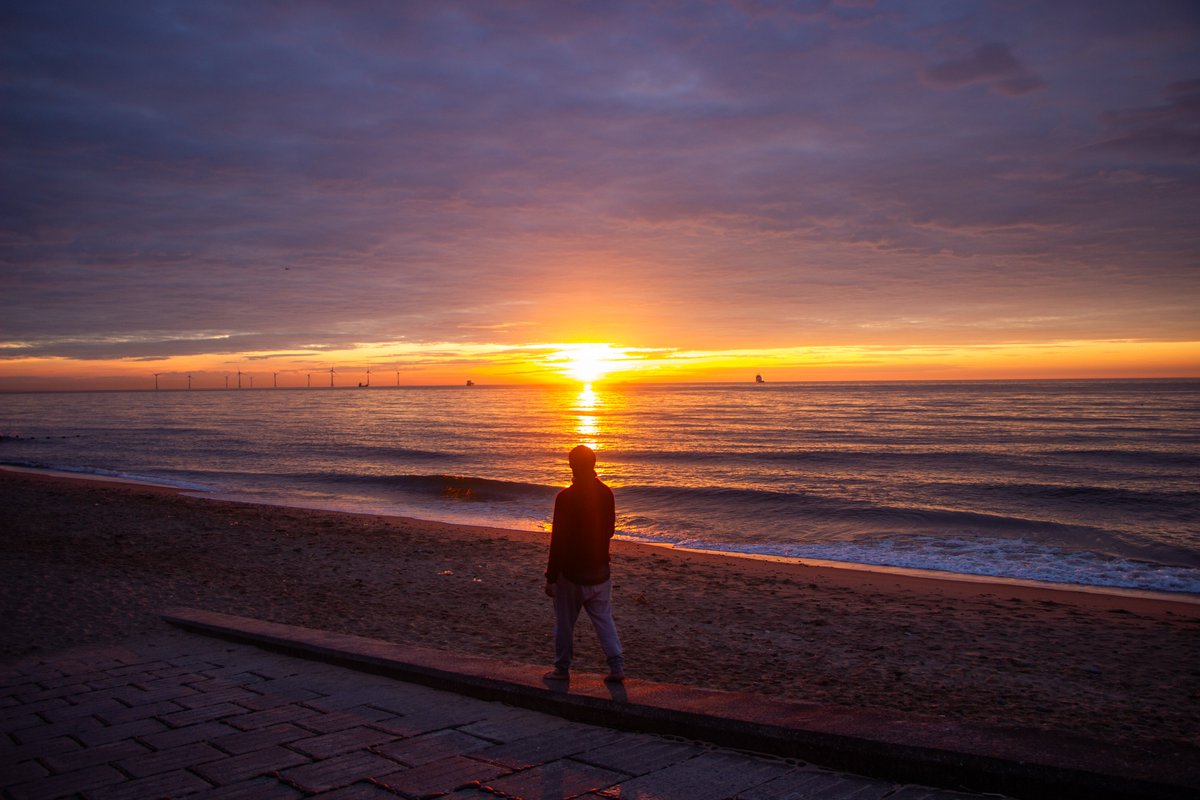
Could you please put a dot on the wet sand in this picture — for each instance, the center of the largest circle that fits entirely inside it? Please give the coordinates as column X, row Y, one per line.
column 91, row 562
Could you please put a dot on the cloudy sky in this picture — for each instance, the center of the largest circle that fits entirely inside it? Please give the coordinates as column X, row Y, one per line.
column 433, row 186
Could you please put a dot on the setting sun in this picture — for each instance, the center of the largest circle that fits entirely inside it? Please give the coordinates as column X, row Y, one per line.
column 588, row 362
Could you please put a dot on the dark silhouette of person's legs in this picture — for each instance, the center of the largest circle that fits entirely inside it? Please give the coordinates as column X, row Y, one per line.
column 568, row 600
column 598, row 602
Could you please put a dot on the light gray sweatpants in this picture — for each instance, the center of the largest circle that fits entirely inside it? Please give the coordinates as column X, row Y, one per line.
column 569, row 598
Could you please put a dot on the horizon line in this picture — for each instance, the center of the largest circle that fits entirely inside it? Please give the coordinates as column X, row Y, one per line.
column 601, row 384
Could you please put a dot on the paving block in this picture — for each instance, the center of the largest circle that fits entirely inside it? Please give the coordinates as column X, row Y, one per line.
column 168, row 784
column 269, row 698
column 73, row 683
column 40, row 693
column 234, row 674
column 227, row 694
column 314, row 676
column 334, row 773
column 110, row 682
column 554, row 781
column 432, row 747
column 505, row 724
column 47, row 731
column 118, row 716
column 9, row 691
column 24, row 771
column 439, row 777
column 180, row 719
column 198, row 662
column 161, row 676
column 140, row 694
column 269, row 666
column 115, row 733
column 83, row 707
column 815, row 784
column 331, row 720
column 187, row 755
column 543, row 748
column 332, row 744
column 249, row 741
column 252, row 789
column 14, row 754
column 295, row 713
column 92, row 707
column 68, row 783
column 637, row 754
column 709, row 776
column 364, row 791
column 175, row 737
column 22, row 721
column 418, row 701
column 928, row 793
column 340, row 698
column 29, row 707
column 89, row 756
column 451, row 715
column 249, row 765
column 138, row 669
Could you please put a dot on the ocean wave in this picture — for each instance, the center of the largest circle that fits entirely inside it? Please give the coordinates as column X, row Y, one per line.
column 1141, row 458
column 1180, row 503
column 1151, row 500
column 129, row 477
column 1003, row 558
column 373, row 454
column 448, row 487
column 942, row 456
column 806, row 511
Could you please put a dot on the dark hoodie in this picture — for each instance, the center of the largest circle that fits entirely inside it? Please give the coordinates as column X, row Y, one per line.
column 584, row 521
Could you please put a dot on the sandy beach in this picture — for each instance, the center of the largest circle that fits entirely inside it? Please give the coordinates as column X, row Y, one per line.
column 94, row 562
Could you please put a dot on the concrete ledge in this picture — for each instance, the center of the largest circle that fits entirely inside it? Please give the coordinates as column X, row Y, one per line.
column 1025, row 763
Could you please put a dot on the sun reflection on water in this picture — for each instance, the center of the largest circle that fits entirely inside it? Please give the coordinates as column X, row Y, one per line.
column 587, row 397
column 587, row 426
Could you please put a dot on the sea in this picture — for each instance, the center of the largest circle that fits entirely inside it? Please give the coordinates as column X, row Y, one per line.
column 1093, row 483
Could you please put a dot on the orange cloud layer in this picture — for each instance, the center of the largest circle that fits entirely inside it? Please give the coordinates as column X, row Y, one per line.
column 406, row 364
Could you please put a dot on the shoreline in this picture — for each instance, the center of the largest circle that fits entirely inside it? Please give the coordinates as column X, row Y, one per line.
column 85, row 562
column 883, row 569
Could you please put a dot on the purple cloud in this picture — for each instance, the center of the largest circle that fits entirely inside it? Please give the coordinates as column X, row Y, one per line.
column 182, row 178
column 1170, row 129
column 991, row 63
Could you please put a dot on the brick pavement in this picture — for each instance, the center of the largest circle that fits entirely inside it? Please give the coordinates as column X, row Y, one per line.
column 183, row 715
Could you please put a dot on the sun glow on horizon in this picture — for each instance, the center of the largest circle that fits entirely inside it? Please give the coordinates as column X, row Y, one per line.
column 588, row 363
column 583, row 364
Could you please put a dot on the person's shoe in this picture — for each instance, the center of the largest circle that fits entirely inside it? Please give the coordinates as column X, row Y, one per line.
column 615, row 677
column 557, row 675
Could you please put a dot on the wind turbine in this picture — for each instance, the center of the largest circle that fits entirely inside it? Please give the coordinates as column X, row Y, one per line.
column 226, row 381
column 239, row 379
column 274, row 380
column 189, row 381
column 310, row 380
column 156, row 380
column 331, row 373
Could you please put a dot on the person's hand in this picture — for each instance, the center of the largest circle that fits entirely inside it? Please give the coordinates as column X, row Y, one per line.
column 549, row 589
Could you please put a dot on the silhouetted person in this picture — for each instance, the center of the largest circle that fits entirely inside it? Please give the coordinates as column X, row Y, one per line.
column 577, row 575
